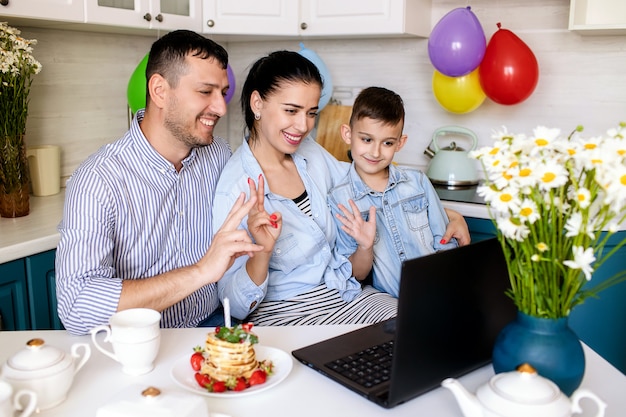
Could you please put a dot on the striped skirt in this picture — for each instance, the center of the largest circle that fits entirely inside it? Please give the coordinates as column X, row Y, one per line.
column 325, row 306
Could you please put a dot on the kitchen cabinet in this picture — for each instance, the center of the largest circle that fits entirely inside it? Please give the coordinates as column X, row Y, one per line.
column 51, row 10
column 317, row 18
column 480, row 229
column 600, row 322
column 28, row 293
column 13, row 301
column 145, row 14
column 42, row 299
column 250, row 17
column 598, row 17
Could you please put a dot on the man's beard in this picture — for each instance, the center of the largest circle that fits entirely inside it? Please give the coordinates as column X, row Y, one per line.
column 184, row 135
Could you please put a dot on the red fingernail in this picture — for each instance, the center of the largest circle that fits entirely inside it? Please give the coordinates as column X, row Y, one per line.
column 249, row 180
column 442, row 241
column 274, row 225
column 273, row 217
column 260, row 176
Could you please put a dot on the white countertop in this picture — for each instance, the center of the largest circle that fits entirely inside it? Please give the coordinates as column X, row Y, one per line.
column 34, row 233
column 37, row 232
column 303, row 393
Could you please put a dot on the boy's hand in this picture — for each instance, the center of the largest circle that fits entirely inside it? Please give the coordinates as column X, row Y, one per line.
column 363, row 232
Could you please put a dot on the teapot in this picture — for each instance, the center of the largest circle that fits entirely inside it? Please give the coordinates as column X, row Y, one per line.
column 46, row 370
column 519, row 393
column 451, row 166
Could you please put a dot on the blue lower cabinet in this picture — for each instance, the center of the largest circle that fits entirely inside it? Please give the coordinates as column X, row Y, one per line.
column 480, row 229
column 601, row 322
column 42, row 291
column 14, row 312
column 28, row 293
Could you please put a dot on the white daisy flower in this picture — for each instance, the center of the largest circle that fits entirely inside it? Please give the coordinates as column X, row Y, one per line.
column 583, row 197
column 551, row 175
column 511, row 229
column 583, row 258
column 506, row 200
column 528, row 211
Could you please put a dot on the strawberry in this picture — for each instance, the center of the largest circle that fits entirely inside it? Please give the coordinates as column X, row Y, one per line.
column 197, row 358
column 218, row 386
column 240, row 384
column 258, row 377
column 203, row 380
column 247, row 327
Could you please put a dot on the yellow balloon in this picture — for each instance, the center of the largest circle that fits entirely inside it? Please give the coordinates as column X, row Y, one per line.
column 458, row 94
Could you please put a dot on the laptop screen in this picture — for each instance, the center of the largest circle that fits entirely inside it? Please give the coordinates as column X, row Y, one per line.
column 451, row 308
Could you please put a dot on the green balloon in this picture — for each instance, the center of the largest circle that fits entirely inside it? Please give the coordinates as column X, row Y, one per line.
column 136, row 91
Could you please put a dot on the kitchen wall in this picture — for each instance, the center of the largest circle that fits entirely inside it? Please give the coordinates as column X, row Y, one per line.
column 79, row 99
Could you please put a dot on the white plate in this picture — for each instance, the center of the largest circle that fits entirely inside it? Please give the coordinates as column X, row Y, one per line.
column 183, row 375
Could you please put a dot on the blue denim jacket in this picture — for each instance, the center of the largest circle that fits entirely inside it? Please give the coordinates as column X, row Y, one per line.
column 304, row 255
column 410, row 221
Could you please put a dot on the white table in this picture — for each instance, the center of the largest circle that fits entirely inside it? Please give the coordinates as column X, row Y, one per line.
column 303, row 393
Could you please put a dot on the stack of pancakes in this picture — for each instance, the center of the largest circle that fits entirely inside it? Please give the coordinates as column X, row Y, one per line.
column 226, row 360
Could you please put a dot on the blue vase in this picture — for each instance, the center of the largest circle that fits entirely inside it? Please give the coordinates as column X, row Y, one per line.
column 548, row 345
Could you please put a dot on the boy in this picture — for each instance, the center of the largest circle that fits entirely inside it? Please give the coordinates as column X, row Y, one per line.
column 410, row 220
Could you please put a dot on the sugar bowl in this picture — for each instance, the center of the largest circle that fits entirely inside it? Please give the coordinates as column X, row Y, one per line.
column 46, row 370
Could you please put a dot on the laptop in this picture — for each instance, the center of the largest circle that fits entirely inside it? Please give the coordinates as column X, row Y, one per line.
column 451, row 307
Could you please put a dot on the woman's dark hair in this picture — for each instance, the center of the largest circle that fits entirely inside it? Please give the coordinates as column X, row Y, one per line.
column 266, row 75
column 167, row 54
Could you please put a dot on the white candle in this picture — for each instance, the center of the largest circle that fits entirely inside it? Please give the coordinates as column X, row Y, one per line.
column 226, row 312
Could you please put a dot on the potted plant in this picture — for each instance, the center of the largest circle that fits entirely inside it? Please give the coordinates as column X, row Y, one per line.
column 17, row 67
column 556, row 203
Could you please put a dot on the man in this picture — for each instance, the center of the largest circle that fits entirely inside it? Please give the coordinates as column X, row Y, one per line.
column 136, row 228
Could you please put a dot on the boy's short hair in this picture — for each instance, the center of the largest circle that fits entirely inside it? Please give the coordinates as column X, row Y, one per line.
column 378, row 103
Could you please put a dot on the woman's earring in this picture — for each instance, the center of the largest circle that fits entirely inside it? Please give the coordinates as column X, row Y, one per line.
column 257, row 116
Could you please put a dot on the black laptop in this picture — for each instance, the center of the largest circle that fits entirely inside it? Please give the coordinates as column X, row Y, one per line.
column 452, row 306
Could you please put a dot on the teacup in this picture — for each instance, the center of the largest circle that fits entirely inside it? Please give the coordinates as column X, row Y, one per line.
column 9, row 403
column 135, row 337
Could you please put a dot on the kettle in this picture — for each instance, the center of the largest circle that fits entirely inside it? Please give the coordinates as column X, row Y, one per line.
column 451, row 166
column 522, row 392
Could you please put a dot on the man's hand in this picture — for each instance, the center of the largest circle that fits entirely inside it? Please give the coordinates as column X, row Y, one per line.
column 229, row 242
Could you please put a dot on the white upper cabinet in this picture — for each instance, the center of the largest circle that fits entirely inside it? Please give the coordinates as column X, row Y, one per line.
column 145, row 14
column 250, row 17
column 365, row 17
column 52, row 10
column 598, row 17
column 317, row 18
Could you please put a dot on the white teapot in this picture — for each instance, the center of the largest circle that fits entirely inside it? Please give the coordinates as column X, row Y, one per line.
column 46, row 370
column 519, row 393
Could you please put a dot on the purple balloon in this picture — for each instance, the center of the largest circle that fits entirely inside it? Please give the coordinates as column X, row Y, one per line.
column 457, row 43
column 231, row 82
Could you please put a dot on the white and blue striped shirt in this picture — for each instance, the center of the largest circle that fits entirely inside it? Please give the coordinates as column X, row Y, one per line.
column 130, row 215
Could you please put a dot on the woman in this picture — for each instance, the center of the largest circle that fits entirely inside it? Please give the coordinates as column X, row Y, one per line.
column 297, row 278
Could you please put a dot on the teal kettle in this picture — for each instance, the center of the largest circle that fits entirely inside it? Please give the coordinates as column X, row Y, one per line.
column 450, row 166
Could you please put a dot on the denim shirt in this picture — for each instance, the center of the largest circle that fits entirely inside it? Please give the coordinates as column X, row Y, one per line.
column 304, row 255
column 410, row 221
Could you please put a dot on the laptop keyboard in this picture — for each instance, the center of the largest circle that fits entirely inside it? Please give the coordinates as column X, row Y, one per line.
column 368, row 367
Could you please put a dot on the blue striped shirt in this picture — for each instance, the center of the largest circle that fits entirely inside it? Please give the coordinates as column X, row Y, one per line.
column 130, row 215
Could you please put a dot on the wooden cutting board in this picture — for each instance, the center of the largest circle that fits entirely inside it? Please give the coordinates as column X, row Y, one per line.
column 329, row 124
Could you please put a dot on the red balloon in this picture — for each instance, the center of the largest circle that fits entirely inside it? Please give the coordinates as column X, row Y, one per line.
column 509, row 70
